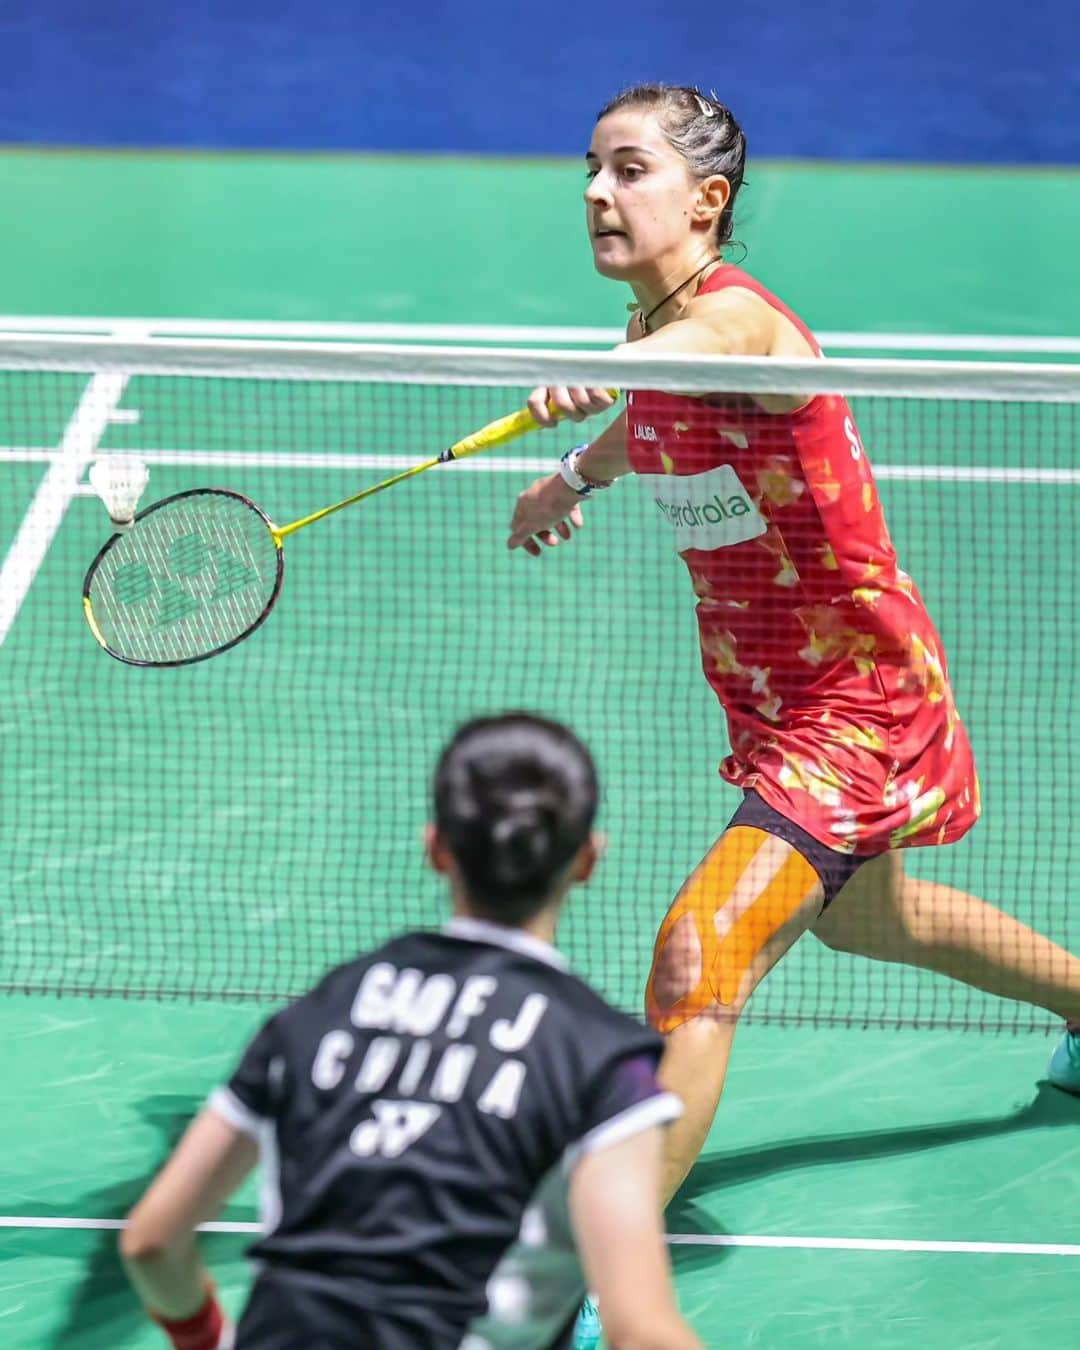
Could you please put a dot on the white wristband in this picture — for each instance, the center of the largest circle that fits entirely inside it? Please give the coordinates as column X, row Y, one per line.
column 568, row 469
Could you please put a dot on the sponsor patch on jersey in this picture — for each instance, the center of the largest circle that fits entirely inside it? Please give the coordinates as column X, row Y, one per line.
column 706, row 510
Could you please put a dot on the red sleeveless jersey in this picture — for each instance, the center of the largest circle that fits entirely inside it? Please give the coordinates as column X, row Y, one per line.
column 817, row 643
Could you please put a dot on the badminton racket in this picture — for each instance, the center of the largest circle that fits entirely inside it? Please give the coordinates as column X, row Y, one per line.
column 199, row 571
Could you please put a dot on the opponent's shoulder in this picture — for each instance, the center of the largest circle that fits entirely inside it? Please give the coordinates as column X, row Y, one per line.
column 597, row 1066
column 601, row 1030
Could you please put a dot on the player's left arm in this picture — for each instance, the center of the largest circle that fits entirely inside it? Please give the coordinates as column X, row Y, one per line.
column 158, row 1245
column 731, row 322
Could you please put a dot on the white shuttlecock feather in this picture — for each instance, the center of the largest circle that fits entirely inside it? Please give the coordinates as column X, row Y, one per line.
column 119, row 480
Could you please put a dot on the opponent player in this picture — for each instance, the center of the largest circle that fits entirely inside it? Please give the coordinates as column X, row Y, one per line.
column 844, row 735
column 440, row 1119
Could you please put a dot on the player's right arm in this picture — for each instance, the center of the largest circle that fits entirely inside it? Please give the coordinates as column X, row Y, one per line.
column 730, row 322
column 615, row 1210
column 549, row 509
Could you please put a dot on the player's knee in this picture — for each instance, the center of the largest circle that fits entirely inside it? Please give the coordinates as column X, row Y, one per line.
column 677, row 966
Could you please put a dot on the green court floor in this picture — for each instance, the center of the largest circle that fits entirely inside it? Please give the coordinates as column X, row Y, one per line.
column 850, row 1135
column 224, row 832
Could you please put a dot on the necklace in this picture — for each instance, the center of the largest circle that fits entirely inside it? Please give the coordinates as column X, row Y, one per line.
column 672, row 294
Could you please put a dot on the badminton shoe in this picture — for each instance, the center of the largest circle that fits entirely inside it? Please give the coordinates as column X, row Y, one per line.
column 1064, row 1070
column 587, row 1329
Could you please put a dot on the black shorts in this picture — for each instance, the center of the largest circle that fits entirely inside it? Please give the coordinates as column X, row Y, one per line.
column 284, row 1315
column 834, row 869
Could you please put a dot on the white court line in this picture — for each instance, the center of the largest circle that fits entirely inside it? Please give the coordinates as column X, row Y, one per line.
column 967, row 473
column 876, row 1245
column 46, row 511
column 240, row 459
column 105, row 1225
column 676, row 1239
column 584, row 335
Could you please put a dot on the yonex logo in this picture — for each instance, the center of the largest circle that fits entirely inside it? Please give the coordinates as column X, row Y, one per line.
column 196, row 574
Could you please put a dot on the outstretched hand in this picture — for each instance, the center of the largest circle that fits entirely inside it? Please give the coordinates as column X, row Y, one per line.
column 549, row 511
column 546, row 512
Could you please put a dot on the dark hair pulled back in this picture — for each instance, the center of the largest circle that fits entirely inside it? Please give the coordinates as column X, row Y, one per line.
column 701, row 129
column 515, row 799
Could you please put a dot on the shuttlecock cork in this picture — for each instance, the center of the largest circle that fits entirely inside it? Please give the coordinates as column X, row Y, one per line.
column 119, row 480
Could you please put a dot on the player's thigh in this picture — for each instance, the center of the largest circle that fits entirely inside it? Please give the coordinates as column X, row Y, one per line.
column 872, row 912
column 749, row 899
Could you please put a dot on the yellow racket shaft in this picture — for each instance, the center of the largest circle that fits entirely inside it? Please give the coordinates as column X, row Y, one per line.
column 499, row 432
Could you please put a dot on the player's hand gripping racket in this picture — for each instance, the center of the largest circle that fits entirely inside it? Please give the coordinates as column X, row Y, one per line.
column 199, row 571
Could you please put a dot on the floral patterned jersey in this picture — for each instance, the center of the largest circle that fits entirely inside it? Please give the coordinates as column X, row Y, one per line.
column 817, row 643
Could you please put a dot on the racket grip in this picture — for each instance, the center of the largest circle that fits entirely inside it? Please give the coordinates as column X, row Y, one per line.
column 499, row 432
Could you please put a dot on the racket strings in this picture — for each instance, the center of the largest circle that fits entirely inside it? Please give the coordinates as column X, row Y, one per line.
column 197, row 574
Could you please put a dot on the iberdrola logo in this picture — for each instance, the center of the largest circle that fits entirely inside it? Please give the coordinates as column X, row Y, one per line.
column 710, row 513
column 706, row 510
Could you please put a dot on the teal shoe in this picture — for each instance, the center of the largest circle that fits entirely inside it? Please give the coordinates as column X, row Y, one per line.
column 587, row 1329
column 1064, row 1070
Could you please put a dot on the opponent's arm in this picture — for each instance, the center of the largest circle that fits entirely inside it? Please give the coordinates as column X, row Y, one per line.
column 158, row 1245
column 615, row 1210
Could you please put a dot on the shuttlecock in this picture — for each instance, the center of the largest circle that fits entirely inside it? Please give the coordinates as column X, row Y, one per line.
column 119, row 480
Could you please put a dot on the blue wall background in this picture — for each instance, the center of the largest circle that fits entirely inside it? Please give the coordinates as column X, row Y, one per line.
column 929, row 80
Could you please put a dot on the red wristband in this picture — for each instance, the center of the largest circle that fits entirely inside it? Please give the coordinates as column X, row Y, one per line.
column 201, row 1332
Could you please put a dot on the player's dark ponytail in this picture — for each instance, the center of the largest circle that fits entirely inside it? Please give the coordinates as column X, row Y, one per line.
column 515, row 798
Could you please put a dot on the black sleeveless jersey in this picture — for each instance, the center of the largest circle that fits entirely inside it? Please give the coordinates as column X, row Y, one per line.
column 418, row 1115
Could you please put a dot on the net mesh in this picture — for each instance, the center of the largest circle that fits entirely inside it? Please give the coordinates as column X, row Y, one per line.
column 231, row 829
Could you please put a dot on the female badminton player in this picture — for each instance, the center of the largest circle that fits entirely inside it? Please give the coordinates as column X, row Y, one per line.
column 844, row 735
column 443, row 1120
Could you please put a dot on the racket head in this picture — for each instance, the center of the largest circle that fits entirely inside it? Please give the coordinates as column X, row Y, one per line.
column 195, row 574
